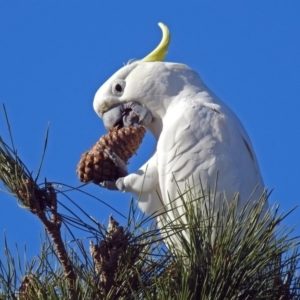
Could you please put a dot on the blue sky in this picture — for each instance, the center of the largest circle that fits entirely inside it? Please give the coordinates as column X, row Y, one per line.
column 55, row 54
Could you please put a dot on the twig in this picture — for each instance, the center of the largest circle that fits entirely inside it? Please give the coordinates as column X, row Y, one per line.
column 53, row 229
column 37, row 200
column 19, row 181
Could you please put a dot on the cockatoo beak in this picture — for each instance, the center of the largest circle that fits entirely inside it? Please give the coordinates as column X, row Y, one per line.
column 126, row 114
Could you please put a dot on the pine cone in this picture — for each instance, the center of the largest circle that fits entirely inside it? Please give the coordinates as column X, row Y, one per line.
column 95, row 165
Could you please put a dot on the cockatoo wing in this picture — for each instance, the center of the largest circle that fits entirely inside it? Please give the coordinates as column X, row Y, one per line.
column 200, row 140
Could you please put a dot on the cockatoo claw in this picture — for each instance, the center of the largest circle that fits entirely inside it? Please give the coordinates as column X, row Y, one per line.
column 119, row 183
column 110, row 185
column 120, row 164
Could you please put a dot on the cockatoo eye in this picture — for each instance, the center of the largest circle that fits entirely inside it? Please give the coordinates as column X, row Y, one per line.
column 118, row 87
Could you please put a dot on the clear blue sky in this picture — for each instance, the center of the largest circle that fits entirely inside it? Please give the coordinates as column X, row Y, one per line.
column 55, row 54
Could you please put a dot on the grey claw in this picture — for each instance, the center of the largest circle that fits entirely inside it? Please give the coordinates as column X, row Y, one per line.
column 119, row 184
column 110, row 185
column 114, row 185
column 117, row 161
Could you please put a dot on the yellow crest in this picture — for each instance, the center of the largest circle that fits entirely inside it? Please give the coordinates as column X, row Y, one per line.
column 159, row 53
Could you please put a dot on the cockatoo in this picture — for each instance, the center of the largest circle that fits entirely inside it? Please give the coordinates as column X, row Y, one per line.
column 199, row 138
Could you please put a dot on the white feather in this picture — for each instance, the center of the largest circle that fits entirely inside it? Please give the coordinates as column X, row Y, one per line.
column 198, row 136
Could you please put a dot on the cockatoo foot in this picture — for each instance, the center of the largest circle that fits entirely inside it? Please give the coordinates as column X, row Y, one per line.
column 121, row 165
column 117, row 185
column 110, row 185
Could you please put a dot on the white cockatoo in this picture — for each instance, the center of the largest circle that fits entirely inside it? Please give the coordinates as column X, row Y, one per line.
column 198, row 136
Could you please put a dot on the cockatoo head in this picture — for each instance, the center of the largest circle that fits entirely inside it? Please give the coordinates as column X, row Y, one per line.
column 141, row 91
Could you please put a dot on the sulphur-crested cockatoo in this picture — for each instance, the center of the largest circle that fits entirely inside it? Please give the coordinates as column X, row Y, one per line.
column 198, row 136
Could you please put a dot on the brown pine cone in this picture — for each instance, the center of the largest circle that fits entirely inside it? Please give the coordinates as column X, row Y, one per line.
column 95, row 165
